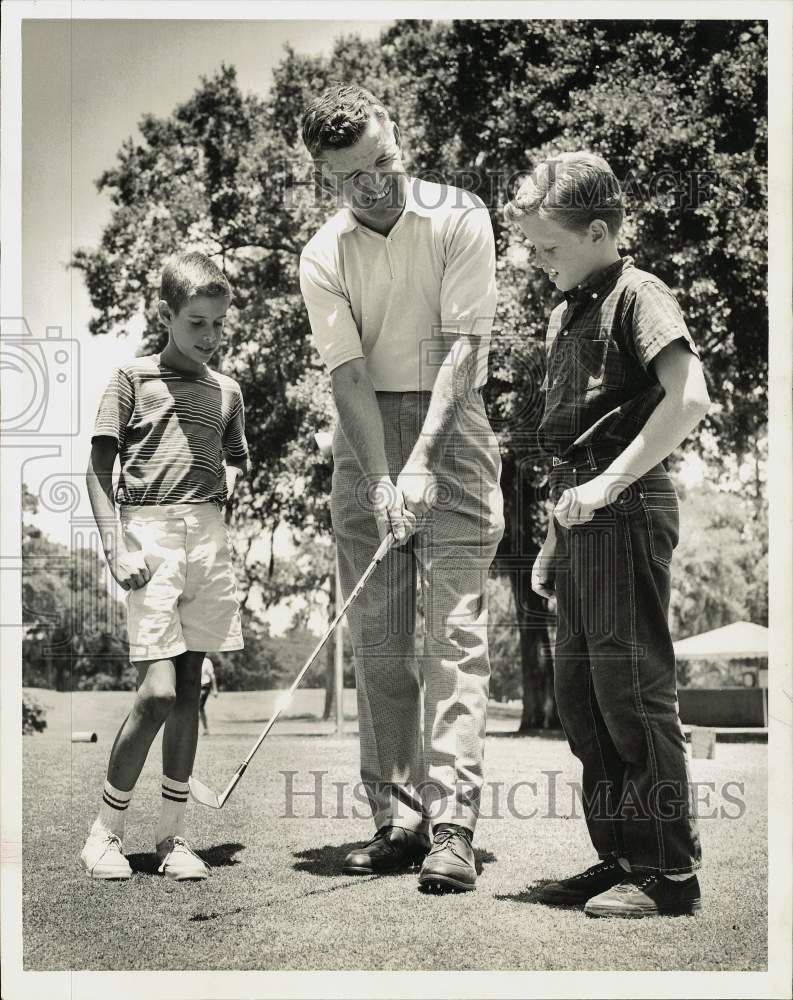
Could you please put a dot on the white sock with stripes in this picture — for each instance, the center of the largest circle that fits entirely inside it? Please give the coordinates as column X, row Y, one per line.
column 172, row 806
column 113, row 811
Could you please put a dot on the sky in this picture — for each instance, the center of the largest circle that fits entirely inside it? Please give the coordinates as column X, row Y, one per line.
column 85, row 87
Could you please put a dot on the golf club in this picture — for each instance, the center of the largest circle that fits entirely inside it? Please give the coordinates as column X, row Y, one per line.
column 201, row 792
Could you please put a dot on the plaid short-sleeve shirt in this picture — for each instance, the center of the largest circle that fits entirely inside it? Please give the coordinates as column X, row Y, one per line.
column 600, row 386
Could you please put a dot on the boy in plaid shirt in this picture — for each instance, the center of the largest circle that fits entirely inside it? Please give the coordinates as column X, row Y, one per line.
column 624, row 387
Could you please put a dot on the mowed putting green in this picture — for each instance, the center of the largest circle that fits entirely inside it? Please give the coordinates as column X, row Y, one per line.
column 277, row 899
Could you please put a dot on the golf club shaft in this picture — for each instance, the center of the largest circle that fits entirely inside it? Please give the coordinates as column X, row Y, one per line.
column 284, row 700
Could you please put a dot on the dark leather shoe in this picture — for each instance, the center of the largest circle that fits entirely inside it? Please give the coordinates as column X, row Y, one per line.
column 450, row 863
column 391, row 849
column 579, row 888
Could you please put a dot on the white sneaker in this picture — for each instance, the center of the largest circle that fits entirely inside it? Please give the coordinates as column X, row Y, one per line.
column 102, row 857
column 179, row 861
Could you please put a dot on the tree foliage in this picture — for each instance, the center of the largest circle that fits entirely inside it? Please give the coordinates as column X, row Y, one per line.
column 34, row 715
column 720, row 569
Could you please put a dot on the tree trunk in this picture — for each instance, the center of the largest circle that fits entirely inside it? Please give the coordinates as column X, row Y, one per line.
column 63, row 670
column 330, row 654
column 330, row 682
column 539, row 706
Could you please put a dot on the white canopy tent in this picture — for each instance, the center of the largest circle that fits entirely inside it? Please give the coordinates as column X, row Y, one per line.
column 739, row 641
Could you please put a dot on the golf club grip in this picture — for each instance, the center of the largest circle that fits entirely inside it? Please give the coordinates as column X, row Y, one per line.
column 384, row 546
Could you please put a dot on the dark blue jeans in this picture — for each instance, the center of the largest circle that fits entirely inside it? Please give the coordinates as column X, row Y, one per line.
column 615, row 679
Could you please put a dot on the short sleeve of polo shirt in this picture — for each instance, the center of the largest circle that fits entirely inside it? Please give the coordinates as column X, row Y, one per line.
column 657, row 320
column 468, row 287
column 115, row 407
column 333, row 328
column 235, row 444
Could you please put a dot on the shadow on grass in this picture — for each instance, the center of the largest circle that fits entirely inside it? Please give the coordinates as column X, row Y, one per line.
column 545, row 734
column 200, row 917
column 297, row 717
column 482, row 858
column 328, row 860
column 220, row 856
column 144, row 864
column 308, row 734
column 532, row 894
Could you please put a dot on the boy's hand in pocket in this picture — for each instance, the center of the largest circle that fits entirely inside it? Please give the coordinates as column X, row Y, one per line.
column 130, row 570
column 542, row 573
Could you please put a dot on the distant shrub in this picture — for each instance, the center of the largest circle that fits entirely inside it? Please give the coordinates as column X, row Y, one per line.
column 33, row 715
column 120, row 680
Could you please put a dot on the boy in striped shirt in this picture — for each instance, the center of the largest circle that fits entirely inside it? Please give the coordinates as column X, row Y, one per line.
column 178, row 429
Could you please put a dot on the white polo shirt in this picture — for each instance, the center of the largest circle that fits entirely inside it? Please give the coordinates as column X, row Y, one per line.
column 389, row 299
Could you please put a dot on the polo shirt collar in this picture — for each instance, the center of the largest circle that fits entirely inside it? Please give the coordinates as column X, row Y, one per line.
column 413, row 201
column 598, row 281
column 350, row 222
column 412, row 204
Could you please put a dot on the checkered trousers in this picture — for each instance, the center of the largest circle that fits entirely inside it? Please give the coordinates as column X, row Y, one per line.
column 422, row 712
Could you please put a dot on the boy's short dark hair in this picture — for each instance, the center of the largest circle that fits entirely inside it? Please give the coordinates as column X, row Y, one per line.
column 572, row 190
column 188, row 274
column 338, row 118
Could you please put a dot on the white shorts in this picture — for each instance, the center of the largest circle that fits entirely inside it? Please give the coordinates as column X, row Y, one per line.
column 190, row 602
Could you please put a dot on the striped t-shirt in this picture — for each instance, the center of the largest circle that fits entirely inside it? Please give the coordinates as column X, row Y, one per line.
column 173, row 431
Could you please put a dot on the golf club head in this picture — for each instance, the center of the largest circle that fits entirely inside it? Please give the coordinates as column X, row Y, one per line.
column 202, row 794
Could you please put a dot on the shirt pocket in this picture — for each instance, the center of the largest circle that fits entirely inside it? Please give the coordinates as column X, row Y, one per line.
column 583, row 365
column 601, row 365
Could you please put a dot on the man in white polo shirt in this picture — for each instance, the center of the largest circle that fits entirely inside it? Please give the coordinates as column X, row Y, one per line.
column 400, row 290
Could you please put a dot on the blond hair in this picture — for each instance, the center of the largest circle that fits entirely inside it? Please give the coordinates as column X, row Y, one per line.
column 572, row 189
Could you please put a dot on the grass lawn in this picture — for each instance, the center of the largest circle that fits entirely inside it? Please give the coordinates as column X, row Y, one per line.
column 277, row 899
